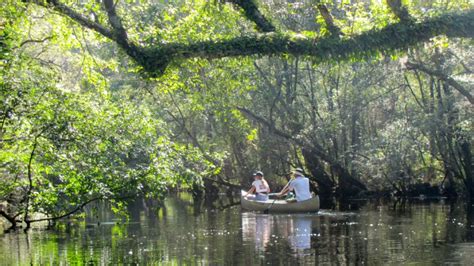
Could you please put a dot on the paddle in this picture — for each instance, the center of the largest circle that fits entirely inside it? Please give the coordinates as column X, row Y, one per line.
column 269, row 207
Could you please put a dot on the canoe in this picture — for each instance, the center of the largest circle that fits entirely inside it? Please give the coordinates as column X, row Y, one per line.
column 311, row 205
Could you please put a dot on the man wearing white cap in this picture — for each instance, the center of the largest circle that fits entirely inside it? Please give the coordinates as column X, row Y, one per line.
column 300, row 185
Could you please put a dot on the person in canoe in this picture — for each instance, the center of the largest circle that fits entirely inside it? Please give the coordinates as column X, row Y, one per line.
column 259, row 187
column 300, row 185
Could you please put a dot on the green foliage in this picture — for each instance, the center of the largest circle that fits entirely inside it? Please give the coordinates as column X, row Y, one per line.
column 67, row 139
column 79, row 124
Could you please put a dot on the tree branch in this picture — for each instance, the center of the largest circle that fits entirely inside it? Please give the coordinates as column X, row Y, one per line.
column 393, row 37
column 79, row 18
column 77, row 208
column 10, row 219
column 399, row 10
column 269, row 125
column 120, row 35
column 402, row 35
column 333, row 29
column 221, row 181
column 440, row 75
column 252, row 13
column 315, row 148
column 30, row 177
column 35, row 41
column 117, row 34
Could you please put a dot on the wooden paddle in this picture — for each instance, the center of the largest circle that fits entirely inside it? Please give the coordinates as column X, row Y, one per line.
column 269, row 207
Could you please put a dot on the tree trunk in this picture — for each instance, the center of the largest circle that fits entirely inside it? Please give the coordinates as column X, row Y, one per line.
column 326, row 185
column 347, row 185
column 466, row 160
column 11, row 219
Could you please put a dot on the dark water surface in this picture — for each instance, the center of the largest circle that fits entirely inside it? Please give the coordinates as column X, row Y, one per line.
column 186, row 233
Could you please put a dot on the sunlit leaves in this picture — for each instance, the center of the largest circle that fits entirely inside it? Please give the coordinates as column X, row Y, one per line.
column 90, row 142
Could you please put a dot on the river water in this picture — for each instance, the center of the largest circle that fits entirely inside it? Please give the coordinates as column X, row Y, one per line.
column 420, row 233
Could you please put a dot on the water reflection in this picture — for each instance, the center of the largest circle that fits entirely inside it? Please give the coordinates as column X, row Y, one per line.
column 181, row 233
column 261, row 229
column 256, row 228
column 300, row 237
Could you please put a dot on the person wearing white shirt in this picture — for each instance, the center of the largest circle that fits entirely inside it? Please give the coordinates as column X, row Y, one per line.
column 259, row 187
column 300, row 185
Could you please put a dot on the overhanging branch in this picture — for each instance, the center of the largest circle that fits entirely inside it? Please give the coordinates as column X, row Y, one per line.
column 401, row 35
column 393, row 37
column 68, row 213
column 269, row 125
column 440, row 75
column 116, row 34
column 79, row 18
column 314, row 148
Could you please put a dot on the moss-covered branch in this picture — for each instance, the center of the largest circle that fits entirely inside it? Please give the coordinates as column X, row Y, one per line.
column 393, row 37
column 401, row 35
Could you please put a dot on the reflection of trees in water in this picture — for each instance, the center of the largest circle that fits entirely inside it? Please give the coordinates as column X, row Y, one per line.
column 470, row 222
column 407, row 233
column 377, row 234
column 256, row 228
column 221, row 203
column 142, row 209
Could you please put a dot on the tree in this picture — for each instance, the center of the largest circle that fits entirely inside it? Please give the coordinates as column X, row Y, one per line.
column 65, row 143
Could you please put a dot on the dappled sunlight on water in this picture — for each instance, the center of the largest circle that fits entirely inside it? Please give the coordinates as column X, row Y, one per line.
column 185, row 233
